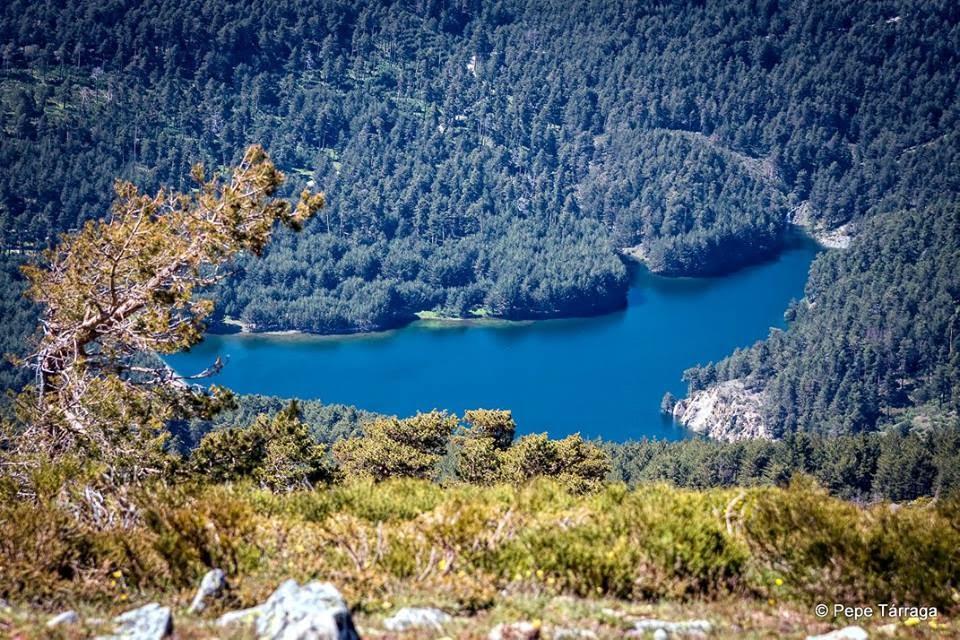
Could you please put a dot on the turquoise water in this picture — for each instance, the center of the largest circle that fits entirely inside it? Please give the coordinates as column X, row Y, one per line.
column 600, row 376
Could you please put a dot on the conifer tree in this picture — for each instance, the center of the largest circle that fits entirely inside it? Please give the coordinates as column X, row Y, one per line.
column 126, row 287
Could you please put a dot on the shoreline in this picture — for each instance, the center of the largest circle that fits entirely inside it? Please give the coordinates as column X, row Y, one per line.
column 428, row 319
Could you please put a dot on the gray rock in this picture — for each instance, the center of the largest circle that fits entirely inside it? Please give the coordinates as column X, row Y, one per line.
column 149, row 622
column 240, row 617
column 67, row 617
column 573, row 634
column 515, row 631
column 416, row 618
column 847, row 633
column 693, row 628
column 212, row 585
column 315, row 611
column 660, row 634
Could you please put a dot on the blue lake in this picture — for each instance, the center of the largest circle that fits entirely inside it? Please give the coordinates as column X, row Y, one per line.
column 601, row 376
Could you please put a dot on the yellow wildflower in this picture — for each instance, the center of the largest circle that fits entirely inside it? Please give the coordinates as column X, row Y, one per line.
column 911, row 622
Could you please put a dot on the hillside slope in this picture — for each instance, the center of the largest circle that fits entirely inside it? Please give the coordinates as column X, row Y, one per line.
column 479, row 155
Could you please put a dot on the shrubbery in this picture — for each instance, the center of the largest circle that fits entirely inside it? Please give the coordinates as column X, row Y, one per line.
column 465, row 544
column 278, row 453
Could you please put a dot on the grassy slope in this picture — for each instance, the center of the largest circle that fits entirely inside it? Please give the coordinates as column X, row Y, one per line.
column 756, row 560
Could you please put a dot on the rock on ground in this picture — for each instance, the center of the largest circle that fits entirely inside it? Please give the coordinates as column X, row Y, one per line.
column 573, row 634
column 691, row 628
column 416, row 618
column 67, row 617
column 515, row 631
column 847, row 633
column 212, row 585
column 149, row 622
column 314, row 611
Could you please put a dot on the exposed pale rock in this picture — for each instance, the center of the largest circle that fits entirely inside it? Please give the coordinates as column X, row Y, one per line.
column 416, row 618
column 573, row 634
column 314, row 611
column 149, row 622
column 847, row 633
column 836, row 238
column 515, row 631
column 635, row 253
column 726, row 411
column 690, row 628
column 65, row 618
column 240, row 617
column 212, row 585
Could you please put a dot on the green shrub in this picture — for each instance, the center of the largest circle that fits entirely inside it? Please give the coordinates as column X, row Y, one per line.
column 830, row 550
column 278, row 453
column 577, row 464
column 390, row 447
column 464, row 544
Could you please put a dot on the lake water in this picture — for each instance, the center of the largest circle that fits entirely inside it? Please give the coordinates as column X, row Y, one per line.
column 601, row 376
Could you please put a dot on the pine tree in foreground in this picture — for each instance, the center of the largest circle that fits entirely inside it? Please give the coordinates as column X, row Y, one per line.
column 126, row 287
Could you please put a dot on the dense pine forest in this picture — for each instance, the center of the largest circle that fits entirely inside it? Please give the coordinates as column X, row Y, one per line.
column 494, row 158
column 877, row 332
column 362, row 164
column 484, row 158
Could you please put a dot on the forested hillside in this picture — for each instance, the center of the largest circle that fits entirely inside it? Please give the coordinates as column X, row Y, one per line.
column 878, row 331
column 483, row 157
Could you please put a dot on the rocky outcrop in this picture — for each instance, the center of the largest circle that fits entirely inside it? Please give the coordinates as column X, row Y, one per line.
column 212, row 585
column 635, row 253
column 726, row 411
column 416, row 618
column 314, row 611
column 835, row 238
column 149, row 622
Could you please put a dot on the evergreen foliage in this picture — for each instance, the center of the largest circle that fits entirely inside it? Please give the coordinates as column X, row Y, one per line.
column 878, row 331
column 390, row 447
column 484, row 156
column 277, row 453
column 124, row 286
column 902, row 464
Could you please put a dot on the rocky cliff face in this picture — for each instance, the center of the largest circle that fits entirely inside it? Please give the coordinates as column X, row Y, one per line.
column 727, row 411
column 836, row 238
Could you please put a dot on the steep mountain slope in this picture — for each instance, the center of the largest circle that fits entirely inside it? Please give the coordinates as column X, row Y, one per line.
column 484, row 156
column 878, row 331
